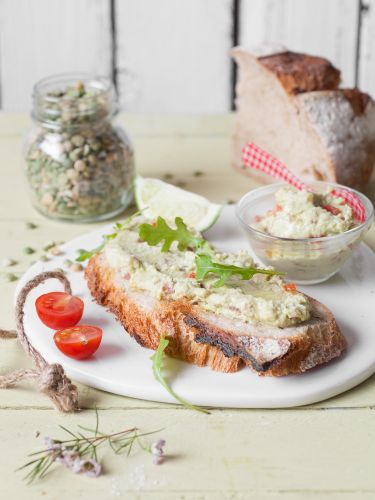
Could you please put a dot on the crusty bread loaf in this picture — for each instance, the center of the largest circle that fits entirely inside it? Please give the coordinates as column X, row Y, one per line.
column 205, row 338
column 290, row 105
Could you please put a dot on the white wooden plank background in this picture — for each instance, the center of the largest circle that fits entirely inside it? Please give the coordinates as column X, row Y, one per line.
column 43, row 37
column 173, row 56
column 320, row 27
column 366, row 65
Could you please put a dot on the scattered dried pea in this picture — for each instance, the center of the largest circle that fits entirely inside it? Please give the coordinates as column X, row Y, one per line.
column 28, row 250
column 76, row 267
column 31, row 225
column 49, row 245
column 8, row 262
column 11, row 277
column 55, row 251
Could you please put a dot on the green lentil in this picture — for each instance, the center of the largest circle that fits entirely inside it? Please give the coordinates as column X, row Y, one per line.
column 11, row 277
column 49, row 245
column 8, row 262
column 28, row 250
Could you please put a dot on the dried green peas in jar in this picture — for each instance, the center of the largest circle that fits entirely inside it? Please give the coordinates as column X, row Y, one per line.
column 79, row 165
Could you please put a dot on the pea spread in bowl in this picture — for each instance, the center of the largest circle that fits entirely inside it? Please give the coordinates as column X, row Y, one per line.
column 303, row 214
column 308, row 236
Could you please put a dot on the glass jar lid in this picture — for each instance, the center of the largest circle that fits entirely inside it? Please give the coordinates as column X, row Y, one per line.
column 73, row 99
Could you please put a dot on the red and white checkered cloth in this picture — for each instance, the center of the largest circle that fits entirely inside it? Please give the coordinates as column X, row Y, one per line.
column 255, row 157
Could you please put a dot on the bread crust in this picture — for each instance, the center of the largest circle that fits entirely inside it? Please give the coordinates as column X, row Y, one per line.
column 301, row 72
column 358, row 100
column 320, row 342
column 197, row 338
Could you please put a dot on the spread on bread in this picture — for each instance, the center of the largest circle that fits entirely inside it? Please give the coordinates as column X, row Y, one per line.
column 172, row 276
column 303, row 214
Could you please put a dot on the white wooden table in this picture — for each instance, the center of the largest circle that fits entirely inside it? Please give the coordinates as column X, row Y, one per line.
column 323, row 451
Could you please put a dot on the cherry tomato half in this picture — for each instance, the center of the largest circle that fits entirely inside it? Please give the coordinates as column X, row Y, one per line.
column 59, row 310
column 78, row 342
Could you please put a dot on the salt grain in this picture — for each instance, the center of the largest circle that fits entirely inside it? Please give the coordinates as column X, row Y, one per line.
column 138, row 477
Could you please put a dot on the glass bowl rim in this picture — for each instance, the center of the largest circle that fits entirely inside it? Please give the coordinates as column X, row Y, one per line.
column 357, row 229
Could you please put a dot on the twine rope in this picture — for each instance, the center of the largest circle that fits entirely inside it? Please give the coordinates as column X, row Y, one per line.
column 51, row 378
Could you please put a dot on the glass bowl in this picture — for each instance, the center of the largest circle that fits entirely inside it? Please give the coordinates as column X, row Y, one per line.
column 305, row 260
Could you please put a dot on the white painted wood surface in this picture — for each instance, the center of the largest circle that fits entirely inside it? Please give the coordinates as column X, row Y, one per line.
column 173, row 56
column 320, row 452
column 320, row 27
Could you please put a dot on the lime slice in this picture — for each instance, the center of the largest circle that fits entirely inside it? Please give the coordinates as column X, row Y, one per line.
column 158, row 198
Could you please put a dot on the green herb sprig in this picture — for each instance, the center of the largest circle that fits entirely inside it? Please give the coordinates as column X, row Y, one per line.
column 157, row 364
column 87, row 254
column 79, row 452
column 205, row 266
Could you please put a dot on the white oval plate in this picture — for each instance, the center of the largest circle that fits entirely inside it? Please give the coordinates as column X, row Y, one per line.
column 123, row 367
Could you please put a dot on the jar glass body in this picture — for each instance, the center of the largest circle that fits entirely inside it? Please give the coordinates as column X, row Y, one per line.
column 79, row 165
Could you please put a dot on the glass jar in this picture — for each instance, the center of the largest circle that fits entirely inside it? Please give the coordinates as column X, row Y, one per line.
column 79, row 166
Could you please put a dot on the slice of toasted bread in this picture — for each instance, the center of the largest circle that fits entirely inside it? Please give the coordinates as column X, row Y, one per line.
column 205, row 338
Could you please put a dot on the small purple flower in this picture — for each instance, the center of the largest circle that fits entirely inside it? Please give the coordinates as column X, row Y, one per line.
column 72, row 461
column 52, row 445
column 69, row 459
column 89, row 468
column 157, row 450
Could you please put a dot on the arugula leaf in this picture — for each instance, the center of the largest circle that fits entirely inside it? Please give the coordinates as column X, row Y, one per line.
column 154, row 234
column 205, row 266
column 157, row 362
column 161, row 232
